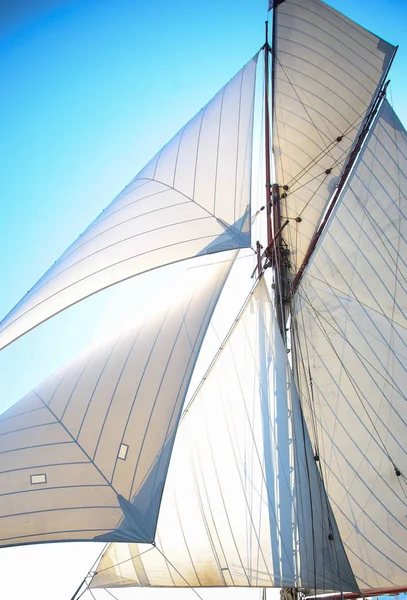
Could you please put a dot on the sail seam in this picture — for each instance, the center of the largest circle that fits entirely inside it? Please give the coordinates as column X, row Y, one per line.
column 351, row 380
column 362, row 358
column 217, row 150
column 76, row 442
column 106, row 268
column 360, row 30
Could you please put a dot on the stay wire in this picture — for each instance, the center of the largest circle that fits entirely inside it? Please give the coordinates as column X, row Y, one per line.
column 320, row 317
column 303, row 105
column 89, row 574
column 352, row 297
column 322, row 487
column 179, row 573
column 305, row 364
column 356, row 391
column 124, row 561
column 323, row 495
column 357, row 122
column 110, row 594
column 394, row 387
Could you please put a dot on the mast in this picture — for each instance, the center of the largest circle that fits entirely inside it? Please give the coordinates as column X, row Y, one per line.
column 267, row 140
column 273, row 251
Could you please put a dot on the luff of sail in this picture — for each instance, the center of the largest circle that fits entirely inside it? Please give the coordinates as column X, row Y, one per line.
column 236, row 509
column 193, row 198
column 351, row 322
column 85, row 455
column 327, row 70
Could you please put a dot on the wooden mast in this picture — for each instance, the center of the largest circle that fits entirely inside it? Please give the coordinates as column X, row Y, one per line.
column 267, row 140
column 274, row 248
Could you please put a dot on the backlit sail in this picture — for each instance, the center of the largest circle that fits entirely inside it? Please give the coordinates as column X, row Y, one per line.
column 85, row 454
column 286, row 467
column 351, row 316
column 193, row 198
column 237, row 503
column 327, row 71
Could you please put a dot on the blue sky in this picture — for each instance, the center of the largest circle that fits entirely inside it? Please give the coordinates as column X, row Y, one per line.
column 93, row 88
column 90, row 91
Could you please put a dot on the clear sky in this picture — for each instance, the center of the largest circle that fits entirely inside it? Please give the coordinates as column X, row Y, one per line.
column 90, row 90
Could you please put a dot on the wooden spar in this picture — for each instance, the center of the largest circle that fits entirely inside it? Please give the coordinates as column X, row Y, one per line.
column 273, row 251
column 267, row 137
column 363, row 594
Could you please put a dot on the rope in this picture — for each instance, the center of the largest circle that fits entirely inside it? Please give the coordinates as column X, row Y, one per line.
column 320, row 317
column 179, row 573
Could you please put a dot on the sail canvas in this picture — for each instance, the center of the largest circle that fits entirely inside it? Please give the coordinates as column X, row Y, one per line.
column 286, row 467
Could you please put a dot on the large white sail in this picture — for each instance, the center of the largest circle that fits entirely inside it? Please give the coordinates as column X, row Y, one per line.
column 84, row 456
column 327, row 70
column 193, row 198
column 351, row 320
column 243, row 504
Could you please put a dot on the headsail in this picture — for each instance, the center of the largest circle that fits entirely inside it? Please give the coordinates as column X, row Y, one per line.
column 193, row 198
column 85, row 455
column 327, row 69
column 351, row 321
column 243, row 504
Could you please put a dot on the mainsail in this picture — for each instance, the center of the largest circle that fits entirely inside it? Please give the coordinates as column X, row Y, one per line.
column 327, row 70
column 350, row 336
column 243, row 504
column 193, row 198
column 85, row 454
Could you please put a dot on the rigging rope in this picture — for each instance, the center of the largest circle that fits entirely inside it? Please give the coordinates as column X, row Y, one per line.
column 351, row 380
column 179, row 573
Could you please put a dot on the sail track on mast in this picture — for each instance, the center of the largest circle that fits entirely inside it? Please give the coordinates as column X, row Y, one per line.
column 243, row 504
column 85, row 455
column 327, row 72
column 192, row 198
column 350, row 315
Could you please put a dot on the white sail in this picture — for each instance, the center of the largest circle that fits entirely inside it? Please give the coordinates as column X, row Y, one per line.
column 243, row 504
column 351, row 316
column 193, row 198
column 327, row 70
column 84, row 456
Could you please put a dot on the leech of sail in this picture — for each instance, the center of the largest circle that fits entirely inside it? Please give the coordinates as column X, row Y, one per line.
column 193, row 198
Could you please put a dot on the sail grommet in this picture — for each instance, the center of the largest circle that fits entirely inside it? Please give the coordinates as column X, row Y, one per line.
column 316, row 457
column 328, row 171
column 339, row 138
column 397, row 472
column 298, row 219
column 285, row 187
column 330, row 536
column 283, row 195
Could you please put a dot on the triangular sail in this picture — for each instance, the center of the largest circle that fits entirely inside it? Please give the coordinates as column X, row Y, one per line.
column 84, row 456
column 327, row 70
column 351, row 334
column 243, row 504
column 193, row 198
